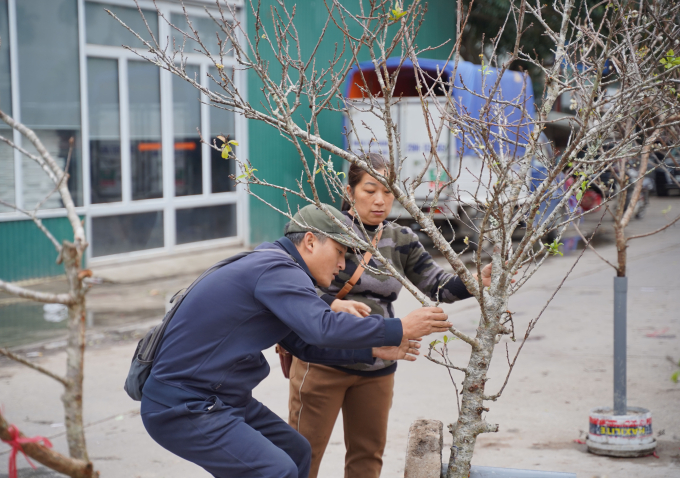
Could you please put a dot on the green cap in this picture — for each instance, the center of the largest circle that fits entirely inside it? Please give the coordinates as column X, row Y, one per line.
column 312, row 219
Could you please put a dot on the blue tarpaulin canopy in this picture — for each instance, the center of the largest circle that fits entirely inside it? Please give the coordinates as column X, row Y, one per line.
column 472, row 86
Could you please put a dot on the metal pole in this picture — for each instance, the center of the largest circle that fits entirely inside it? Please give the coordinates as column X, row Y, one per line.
column 620, row 300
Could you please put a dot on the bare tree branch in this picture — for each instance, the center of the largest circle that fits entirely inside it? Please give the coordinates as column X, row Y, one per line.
column 34, row 366
column 65, row 299
column 638, row 236
column 37, row 222
column 589, row 246
column 54, row 171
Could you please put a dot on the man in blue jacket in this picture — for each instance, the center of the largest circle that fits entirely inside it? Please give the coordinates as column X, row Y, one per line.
column 198, row 403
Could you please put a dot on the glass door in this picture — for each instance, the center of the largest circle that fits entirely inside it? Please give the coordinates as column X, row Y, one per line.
column 154, row 184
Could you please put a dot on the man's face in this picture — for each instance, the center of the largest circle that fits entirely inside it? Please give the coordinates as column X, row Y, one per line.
column 324, row 259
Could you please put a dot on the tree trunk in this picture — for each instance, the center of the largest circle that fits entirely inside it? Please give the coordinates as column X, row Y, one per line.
column 470, row 422
column 621, row 248
column 75, row 351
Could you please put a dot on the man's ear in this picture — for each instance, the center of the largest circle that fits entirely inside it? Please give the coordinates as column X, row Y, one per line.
column 309, row 241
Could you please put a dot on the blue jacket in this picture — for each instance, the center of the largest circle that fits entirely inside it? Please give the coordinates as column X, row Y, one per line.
column 214, row 344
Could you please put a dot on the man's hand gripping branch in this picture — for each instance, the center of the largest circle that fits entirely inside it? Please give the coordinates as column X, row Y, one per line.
column 420, row 322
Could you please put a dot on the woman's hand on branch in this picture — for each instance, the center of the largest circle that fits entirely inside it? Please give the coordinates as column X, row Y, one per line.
column 486, row 275
column 351, row 307
column 424, row 321
column 407, row 350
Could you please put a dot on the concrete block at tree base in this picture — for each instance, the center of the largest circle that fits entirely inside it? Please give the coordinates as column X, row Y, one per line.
column 424, row 457
column 424, row 450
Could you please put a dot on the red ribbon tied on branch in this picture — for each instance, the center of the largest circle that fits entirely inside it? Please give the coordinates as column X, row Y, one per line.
column 15, row 442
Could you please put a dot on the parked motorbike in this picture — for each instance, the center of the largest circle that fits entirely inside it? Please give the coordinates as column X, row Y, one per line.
column 605, row 186
column 594, row 196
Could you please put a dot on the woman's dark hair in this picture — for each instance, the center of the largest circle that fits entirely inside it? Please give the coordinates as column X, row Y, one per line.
column 355, row 173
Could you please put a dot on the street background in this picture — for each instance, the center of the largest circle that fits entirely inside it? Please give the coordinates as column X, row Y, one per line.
column 564, row 371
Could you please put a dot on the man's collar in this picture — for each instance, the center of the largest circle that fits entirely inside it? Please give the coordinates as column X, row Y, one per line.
column 290, row 248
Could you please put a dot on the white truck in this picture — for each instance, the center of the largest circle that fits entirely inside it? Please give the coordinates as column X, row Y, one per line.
column 369, row 133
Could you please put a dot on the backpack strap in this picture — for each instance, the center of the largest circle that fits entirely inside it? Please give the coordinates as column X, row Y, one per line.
column 360, row 269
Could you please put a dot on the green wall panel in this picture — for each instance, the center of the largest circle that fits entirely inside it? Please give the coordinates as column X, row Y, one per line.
column 25, row 252
column 274, row 157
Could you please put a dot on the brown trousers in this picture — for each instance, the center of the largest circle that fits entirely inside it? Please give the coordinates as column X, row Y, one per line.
column 317, row 393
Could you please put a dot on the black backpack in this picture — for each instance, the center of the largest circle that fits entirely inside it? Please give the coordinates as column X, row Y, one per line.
column 146, row 350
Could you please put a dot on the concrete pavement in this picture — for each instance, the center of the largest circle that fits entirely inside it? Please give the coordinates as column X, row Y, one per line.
column 563, row 372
